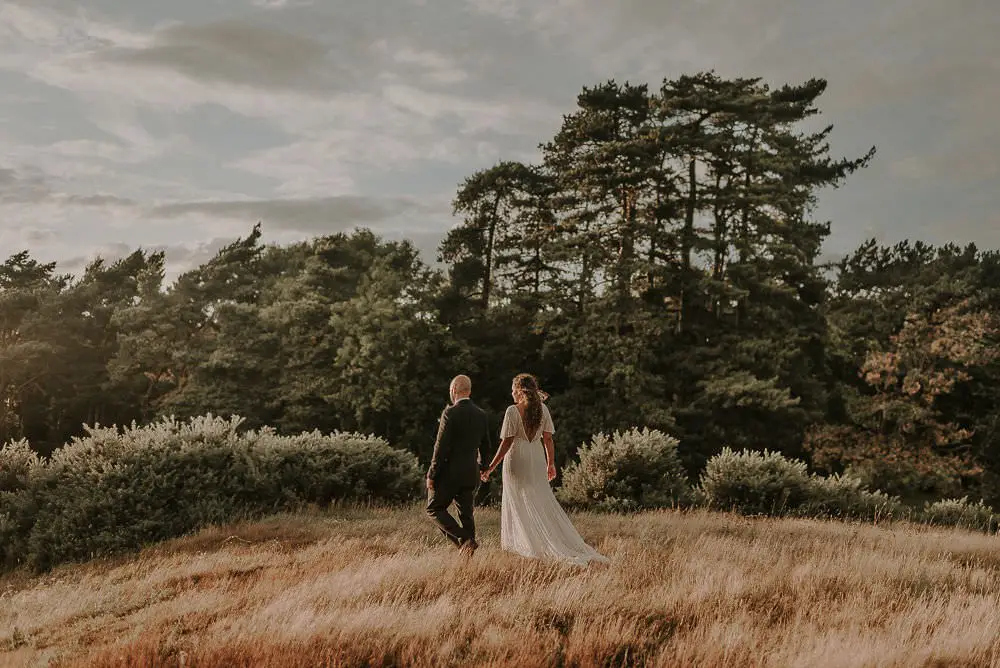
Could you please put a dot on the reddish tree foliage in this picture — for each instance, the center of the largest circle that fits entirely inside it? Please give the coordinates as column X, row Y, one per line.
column 898, row 440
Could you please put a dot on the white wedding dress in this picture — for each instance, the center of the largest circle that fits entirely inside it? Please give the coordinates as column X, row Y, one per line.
column 532, row 523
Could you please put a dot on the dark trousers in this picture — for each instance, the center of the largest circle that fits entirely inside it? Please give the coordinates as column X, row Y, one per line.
column 438, row 502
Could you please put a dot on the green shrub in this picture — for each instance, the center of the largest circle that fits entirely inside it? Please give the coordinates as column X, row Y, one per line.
column 901, row 477
column 115, row 490
column 961, row 513
column 17, row 461
column 627, row 471
column 846, row 497
column 754, row 483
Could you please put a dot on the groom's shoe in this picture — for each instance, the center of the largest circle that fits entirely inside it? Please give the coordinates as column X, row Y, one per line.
column 468, row 547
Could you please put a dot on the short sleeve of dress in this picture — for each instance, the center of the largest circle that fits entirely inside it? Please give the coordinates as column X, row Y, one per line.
column 510, row 422
column 547, row 425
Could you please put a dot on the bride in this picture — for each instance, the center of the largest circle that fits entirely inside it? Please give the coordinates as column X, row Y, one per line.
column 532, row 523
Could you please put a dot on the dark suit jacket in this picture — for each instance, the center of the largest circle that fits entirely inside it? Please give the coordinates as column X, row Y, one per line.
column 462, row 448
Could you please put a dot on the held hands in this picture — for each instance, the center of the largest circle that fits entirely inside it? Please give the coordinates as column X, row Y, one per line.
column 550, row 472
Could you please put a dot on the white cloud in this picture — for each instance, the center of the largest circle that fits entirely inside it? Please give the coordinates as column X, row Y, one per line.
column 130, row 143
column 439, row 68
column 507, row 10
column 340, row 134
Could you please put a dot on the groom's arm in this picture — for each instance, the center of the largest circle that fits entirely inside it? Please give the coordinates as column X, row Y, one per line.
column 442, row 448
column 485, row 444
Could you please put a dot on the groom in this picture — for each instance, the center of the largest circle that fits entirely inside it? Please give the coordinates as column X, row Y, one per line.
column 461, row 452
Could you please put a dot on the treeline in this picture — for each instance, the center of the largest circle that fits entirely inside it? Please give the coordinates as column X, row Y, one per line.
column 659, row 268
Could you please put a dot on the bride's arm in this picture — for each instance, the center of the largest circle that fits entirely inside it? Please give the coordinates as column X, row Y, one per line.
column 550, row 448
column 501, row 453
column 508, row 432
column 550, row 455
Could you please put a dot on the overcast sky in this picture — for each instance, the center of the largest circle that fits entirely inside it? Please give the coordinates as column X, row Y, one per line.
column 179, row 124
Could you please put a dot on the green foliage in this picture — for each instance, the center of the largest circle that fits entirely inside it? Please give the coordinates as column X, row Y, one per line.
column 497, row 251
column 645, row 314
column 754, row 483
column 17, row 462
column 845, row 497
column 390, row 379
column 904, row 476
column 961, row 513
column 768, row 483
column 115, row 490
column 629, row 470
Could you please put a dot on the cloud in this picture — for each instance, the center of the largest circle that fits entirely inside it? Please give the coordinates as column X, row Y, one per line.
column 37, row 235
column 22, row 185
column 349, row 104
column 99, row 200
column 30, row 185
column 437, row 67
column 508, row 10
column 124, row 138
column 316, row 215
column 237, row 52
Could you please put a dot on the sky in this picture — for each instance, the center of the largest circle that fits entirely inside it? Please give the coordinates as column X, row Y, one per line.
column 177, row 125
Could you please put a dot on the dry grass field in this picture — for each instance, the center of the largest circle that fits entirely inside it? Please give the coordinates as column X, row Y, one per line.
column 378, row 588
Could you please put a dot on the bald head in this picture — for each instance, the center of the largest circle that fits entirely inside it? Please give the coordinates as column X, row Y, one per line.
column 461, row 388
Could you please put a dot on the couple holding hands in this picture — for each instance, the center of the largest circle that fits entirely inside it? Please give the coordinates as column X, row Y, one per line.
column 532, row 523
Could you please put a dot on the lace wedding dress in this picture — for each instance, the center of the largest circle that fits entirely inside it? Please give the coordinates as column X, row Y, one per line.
column 532, row 523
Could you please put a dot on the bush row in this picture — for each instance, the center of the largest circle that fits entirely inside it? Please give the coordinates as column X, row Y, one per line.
column 641, row 469
column 118, row 489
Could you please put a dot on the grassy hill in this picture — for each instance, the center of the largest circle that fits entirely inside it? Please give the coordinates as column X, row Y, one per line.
column 378, row 587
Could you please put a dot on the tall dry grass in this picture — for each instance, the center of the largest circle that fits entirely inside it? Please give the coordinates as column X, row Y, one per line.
column 378, row 587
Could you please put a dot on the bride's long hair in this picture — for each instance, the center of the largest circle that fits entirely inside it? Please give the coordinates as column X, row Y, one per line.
column 527, row 386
